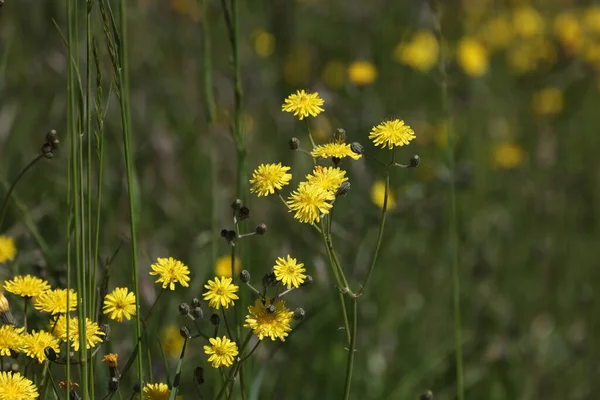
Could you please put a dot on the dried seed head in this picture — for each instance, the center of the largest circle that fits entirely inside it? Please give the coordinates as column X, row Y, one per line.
column 343, row 189
column 428, row 395
column 357, row 148
column 224, row 233
column 47, row 150
column 294, row 143
column 299, row 314
column 261, row 229
column 184, row 309
column 184, row 332
column 340, row 135
column 195, row 302
column 105, row 328
column 243, row 213
column 414, row 161
column 244, row 276
column 197, row 313
column 237, row 204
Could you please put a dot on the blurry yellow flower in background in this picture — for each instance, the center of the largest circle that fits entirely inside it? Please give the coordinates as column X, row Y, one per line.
column 548, row 101
column 11, row 339
column 156, row 391
column 267, row 178
column 170, row 271
column 569, row 31
column 378, row 195
column 472, row 56
column 119, row 304
column 362, row 73
column 334, row 74
column 497, row 33
column 171, row 341
column 526, row 56
column 221, row 351
column 297, row 65
column 264, row 43
column 189, row 7
column 309, row 202
column 26, row 286
column 321, row 128
column 303, row 104
column 274, row 324
column 591, row 19
column 14, row 386
column 420, row 53
column 35, row 343
column 394, row 133
column 336, row 150
column 527, row 22
column 327, row 178
column 55, row 301
column 223, row 266
column 289, row 271
column 508, row 155
column 8, row 250
column 220, row 293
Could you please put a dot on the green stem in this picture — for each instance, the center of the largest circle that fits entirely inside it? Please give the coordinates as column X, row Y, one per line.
column 235, row 370
column 12, row 187
column 352, row 349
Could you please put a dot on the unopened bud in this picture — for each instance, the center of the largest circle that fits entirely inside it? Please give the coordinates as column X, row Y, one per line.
column 243, row 213
column 113, row 384
column 224, row 232
column 197, row 313
column 428, row 395
column 245, row 276
column 343, row 189
column 299, row 314
column 340, row 135
column 215, row 319
column 195, row 302
column 50, row 354
column 414, row 161
column 357, row 148
column 307, row 281
column 184, row 332
column 269, row 280
column 294, row 143
column 237, row 204
column 184, row 309
column 261, row 229
column 136, row 387
column 199, row 375
column 230, row 236
column 47, row 150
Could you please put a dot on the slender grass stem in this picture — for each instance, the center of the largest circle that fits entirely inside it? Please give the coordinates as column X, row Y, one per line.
column 351, row 349
column 13, row 185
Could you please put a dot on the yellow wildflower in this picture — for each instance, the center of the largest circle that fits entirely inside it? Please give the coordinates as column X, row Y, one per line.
column 26, row 286
column 220, row 292
column 223, row 266
column 11, row 339
column 221, row 352
column 55, row 301
column 309, row 202
column 508, row 155
column 171, row 341
column 170, row 271
column 14, row 386
column 303, row 104
column 394, row 133
column 289, row 271
column 548, row 101
column 274, row 324
column 119, row 304
column 362, row 73
column 267, row 178
column 8, row 250
column 156, row 391
column 378, row 195
column 472, row 57
column 35, row 343
column 421, row 53
column 264, row 43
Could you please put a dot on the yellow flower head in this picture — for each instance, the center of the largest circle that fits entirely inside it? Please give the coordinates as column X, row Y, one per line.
column 11, row 339
column 156, row 391
column 472, row 57
column 119, row 303
column 111, row 360
column 221, row 292
column 497, row 32
column 264, row 43
column 548, row 101
column 269, row 177
column 591, row 19
column 336, row 150
column 26, row 286
column 35, row 343
column 362, row 73
column 378, row 195
column 527, row 22
column 8, row 250
column 170, row 271
column 221, row 352
column 223, row 266
column 391, row 134
column 309, row 202
column 327, row 178
column 289, row 272
column 171, row 341
column 4, row 306
column 569, row 31
column 508, row 155
column 55, row 301
column 268, row 323
column 92, row 331
column 303, row 104
column 14, row 386
column 420, row 53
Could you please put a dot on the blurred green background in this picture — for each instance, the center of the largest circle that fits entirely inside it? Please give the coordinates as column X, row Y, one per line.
column 524, row 83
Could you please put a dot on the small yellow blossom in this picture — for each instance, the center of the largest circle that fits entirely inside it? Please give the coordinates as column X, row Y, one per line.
column 569, row 31
column 421, row 53
column 334, row 150
column 55, row 301
column 111, row 360
column 334, row 74
column 303, row 104
column 264, row 43
column 220, row 292
column 472, row 57
column 508, row 155
column 273, row 324
column 35, row 343
column 497, row 33
column 309, row 202
column 548, row 101
column 171, row 341
column 14, row 386
column 156, row 391
column 26, row 286
column 8, row 250
column 527, row 22
column 392, row 134
column 93, row 333
column 223, row 266
column 171, row 271
column 289, row 272
column 267, row 178
column 362, row 73
column 119, row 304
column 11, row 339
column 327, row 178
column 221, row 352
column 378, row 195
column 591, row 19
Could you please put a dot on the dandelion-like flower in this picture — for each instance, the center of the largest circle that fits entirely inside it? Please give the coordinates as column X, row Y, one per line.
column 11, row 339
column 223, row 266
column 14, row 386
column 221, row 352
column 362, row 72
column 289, row 272
column 119, row 304
column 303, row 104
column 378, row 196
column 275, row 325
column 35, row 343
column 221, row 292
column 156, row 391
column 392, row 133
column 26, row 286
column 309, row 202
column 171, row 341
column 267, row 178
column 335, row 150
column 170, row 271
column 111, row 360
column 93, row 332
column 327, row 178
column 8, row 250
column 55, row 301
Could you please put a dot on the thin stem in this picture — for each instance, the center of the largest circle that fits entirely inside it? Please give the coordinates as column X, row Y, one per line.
column 149, row 313
column 312, row 141
column 352, row 349
column 235, row 370
column 12, row 187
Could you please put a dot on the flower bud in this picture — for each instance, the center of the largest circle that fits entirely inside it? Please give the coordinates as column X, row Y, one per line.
column 197, row 313
column 357, row 148
column 270, row 309
column 230, row 236
column 215, row 319
column 307, row 281
column 184, row 332
column 294, row 143
column 243, row 213
column 343, row 189
column 52, row 139
column 195, row 302
column 113, row 384
column 199, row 375
column 244, row 276
column 269, row 280
column 237, row 204
column 105, row 328
column 184, row 309
column 299, row 314
column 224, row 232
column 340, row 135
column 414, row 161
column 261, row 229
column 428, row 395
column 47, row 150
column 50, row 354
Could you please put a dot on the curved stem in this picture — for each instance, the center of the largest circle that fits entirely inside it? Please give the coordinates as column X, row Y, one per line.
column 12, row 187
